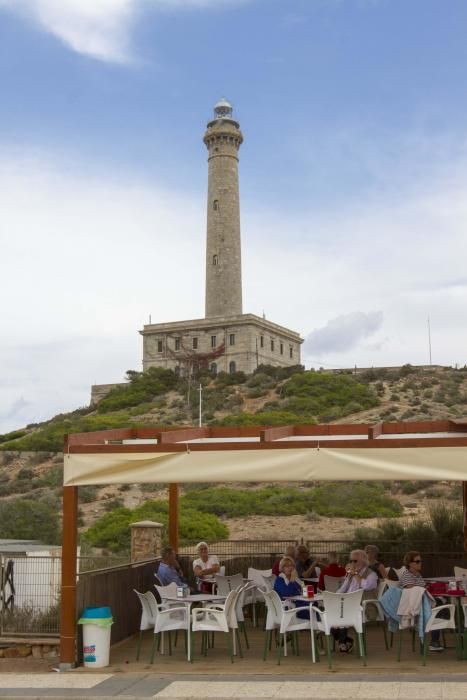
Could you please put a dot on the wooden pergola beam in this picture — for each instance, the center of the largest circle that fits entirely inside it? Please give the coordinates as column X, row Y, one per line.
column 181, row 435
column 68, row 587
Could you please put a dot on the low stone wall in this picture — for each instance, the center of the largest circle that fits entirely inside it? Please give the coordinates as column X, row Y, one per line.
column 35, row 648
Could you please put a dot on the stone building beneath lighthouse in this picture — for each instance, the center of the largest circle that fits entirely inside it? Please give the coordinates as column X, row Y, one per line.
column 226, row 340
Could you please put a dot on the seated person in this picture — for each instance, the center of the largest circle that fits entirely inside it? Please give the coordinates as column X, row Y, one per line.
column 205, row 567
column 290, row 552
column 375, row 565
column 359, row 576
column 306, row 567
column 169, row 570
column 332, row 568
column 288, row 584
column 412, row 576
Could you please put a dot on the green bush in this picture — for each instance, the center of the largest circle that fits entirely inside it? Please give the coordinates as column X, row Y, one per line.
column 112, row 531
column 88, row 494
column 341, row 499
column 23, row 519
column 142, row 388
column 409, row 487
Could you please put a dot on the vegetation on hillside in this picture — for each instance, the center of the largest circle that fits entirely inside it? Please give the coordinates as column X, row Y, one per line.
column 112, row 531
column 340, row 499
column 441, row 531
column 270, row 396
column 27, row 519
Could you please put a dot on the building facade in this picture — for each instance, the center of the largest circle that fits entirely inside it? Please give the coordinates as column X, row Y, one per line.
column 226, row 339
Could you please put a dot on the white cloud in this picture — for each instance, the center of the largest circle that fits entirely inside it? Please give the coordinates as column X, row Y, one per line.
column 344, row 332
column 97, row 28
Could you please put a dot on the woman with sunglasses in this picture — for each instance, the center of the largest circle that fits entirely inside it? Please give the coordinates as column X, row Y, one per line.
column 359, row 576
column 412, row 577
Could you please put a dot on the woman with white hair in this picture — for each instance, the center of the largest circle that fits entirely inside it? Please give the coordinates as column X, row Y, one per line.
column 205, row 567
column 359, row 576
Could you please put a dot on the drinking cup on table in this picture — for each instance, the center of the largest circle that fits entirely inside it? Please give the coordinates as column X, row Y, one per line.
column 310, row 591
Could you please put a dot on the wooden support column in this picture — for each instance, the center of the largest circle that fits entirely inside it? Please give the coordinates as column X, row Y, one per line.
column 464, row 505
column 68, row 588
column 173, row 516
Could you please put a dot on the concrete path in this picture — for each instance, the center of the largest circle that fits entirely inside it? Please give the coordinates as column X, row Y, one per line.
column 138, row 686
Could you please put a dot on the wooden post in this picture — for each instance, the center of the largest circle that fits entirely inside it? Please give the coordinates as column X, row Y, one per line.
column 68, row 588
column 173, row 516
column 464, row 505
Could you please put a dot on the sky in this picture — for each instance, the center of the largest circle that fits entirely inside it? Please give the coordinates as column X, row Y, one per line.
column 353, row 180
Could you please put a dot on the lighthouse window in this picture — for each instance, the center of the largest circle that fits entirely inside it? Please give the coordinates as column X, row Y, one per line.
column 195, row 343
column 159, row 346
column 232, row 367
column 215, row 260
column 261, row 341
column 282, row 348
column 177, row 343
column 213, row 341
column 232, row 339
column 272, row 346
column 291, row 351
column 215, row 204
column 213, row 368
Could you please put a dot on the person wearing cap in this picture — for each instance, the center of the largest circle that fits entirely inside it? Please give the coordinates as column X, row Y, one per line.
column 205, row 567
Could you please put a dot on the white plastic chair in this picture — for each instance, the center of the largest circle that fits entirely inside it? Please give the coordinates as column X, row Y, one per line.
column 440, row 623
column 373, row 603
column 244, row 598
column 225, row 584
column 285, row 621
column 332, row 583
column 161, row 619
column 264, row 579
column 147, row 621
column 400, row 571
column 340, row 610
column 218, row 618
column 168, row 591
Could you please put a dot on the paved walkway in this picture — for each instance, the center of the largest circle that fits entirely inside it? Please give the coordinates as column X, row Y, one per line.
column 138, row 686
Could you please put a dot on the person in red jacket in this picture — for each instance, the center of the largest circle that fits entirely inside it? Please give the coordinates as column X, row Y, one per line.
column 332, row 568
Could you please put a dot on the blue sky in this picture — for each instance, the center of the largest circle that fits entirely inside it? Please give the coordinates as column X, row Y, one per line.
column 353, row 179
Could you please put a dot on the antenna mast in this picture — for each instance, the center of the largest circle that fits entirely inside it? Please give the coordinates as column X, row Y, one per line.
column 429, row 339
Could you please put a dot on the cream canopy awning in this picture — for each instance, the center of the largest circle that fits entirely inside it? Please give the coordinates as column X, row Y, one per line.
column 415, row 451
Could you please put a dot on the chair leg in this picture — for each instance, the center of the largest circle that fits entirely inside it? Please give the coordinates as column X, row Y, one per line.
column 328, row 644
column 413, row 639
column 138, row 646
column 240, row 651
column 399, row 645
column 153, row 649
column 267, row 643
column 385, row 636
column 176, row 638
column 391, row 639
column 279, row 648
column 192, row 644
column 170, row 643
column 425, row 649
column 243, row 628
column 361, row 647
column 229, row 645
column 188, row 644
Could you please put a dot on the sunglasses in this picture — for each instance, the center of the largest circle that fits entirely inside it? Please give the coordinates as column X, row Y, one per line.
column 417, row 561
column 354, row 561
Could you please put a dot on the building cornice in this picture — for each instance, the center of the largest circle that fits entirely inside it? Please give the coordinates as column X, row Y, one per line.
column 205, row 324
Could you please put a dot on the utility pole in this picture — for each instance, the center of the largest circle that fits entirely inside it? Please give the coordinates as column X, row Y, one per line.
column 200, row 405
column 429, row 340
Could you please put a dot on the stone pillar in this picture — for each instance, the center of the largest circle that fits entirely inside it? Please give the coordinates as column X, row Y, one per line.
column 146, row 540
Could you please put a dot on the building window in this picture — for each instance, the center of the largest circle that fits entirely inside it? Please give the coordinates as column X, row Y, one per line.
column 272, row 345
column 159, row 346
column 261, row 341
column 215, row 204
column 213, row 368
column 195, row 343
column 215, row 260
column 232, row 339
column 177, row 371
column 213, row 341
column 291, row 351
column 177, row 343
column 282, row 348
column 232, row 367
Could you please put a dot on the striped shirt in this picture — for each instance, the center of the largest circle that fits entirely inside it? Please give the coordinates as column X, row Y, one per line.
column 410, row 579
